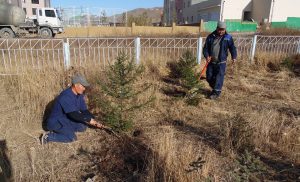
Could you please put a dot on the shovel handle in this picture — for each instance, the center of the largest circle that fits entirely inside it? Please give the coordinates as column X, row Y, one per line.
column 203, row 70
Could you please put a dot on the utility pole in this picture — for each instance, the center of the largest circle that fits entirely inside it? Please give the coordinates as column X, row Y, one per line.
column 222, row 10
column 271, row 11
column 169, row 12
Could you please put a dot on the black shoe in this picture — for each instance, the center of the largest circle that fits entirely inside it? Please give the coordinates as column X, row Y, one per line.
column 213, row 96
column 43, row 138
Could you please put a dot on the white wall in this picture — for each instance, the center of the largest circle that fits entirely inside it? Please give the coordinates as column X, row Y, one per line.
column 233, row 9
column 284, row 9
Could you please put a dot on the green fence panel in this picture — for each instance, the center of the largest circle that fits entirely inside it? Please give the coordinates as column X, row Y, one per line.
column 210, row 26
column 232, row 26
column 278, row 25
column 293, row 22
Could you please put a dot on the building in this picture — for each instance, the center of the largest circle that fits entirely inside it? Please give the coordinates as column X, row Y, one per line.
column 192, row 11
column 169, row 14
column 173, row 10
column 30, row 6
column 179, row 11
column 195, row 10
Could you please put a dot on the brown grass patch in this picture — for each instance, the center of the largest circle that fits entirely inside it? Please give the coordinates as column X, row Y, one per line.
column 281, row 31
column 175, row 142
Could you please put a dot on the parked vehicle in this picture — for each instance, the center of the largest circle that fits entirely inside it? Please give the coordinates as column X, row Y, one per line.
column 13, row 22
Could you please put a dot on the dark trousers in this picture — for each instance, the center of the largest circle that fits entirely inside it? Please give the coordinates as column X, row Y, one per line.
column 64, row 131
column 215, row 76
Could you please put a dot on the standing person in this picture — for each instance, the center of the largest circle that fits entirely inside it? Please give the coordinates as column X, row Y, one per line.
column 215, row 52
column 69, row 114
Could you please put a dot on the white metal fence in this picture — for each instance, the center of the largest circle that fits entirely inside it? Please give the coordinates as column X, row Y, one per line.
column 98, row 51
column 167, row 48
column 18, row 54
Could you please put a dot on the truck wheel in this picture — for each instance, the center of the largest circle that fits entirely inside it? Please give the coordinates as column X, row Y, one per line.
column 45, row 33
column 6, row 33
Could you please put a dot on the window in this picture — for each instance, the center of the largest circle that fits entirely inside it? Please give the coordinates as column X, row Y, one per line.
column 50, row 13
column 184, row 5
column 35, row 2
column 24, row 9
column 40, row 12
column 247, row 16
column 192, row 19
column 34, row 11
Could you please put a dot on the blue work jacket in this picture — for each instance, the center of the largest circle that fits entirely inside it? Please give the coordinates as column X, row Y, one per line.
column 225, row 45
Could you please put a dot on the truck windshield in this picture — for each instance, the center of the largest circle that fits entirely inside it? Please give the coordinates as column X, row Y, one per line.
column 50, row 13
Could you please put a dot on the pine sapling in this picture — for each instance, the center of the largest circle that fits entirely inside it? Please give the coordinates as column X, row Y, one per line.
column 121, row 93
column 185, row 72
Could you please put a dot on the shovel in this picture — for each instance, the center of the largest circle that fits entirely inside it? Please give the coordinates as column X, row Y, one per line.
column 204, row 69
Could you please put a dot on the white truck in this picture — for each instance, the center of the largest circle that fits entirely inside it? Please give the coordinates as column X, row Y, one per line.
column 13, row 22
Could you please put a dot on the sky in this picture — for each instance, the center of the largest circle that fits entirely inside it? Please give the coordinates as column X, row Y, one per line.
column 122, row 4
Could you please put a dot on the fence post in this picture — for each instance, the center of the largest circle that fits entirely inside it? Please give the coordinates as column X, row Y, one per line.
column 137, row 47
column 132, row 28
column 199, row 50
column 253, row 48
column 66, row 50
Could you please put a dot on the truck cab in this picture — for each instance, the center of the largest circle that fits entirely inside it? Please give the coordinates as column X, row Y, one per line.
column 46, row 23
column 49, row 22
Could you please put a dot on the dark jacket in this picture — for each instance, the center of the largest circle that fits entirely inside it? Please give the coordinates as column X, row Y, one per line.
column 226, row 43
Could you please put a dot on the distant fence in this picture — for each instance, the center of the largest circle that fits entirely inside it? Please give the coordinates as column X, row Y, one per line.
column 95, row 16
column 19, row 54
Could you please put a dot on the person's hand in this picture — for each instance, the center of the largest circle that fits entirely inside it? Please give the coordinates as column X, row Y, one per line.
column 208, row 59
column 99, row 125
column 233, row 61
column 96, row 124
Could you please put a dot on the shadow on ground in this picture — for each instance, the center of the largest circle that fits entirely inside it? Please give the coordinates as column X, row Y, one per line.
column 281, row 170
column 46, row 114
column 206, row 136
column 123, row 159
column 5, row 165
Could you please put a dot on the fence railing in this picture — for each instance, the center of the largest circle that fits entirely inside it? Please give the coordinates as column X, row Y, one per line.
column 99, row 51
column 279, row 45
column 18, row 54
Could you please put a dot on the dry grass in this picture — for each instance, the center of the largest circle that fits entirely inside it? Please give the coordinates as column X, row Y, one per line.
column 182, row 143
column 130, row 31
column 281, row 31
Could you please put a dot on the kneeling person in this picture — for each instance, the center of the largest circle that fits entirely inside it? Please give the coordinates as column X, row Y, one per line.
column 69, row 114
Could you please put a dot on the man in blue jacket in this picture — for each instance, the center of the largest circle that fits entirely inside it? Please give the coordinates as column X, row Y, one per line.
column 215, row 52
column 69, row 114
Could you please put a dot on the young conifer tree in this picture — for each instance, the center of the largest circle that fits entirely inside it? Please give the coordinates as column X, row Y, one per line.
column 121, row 93
column 185, row 72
